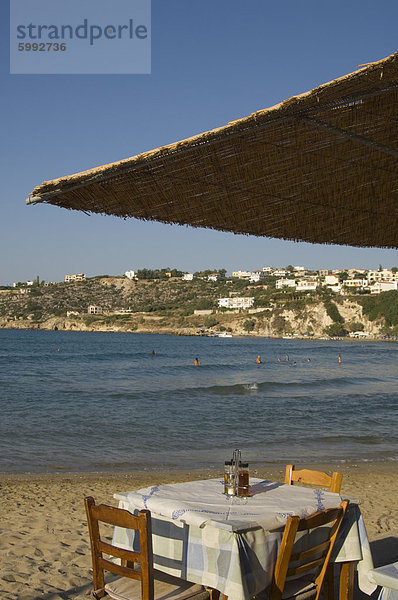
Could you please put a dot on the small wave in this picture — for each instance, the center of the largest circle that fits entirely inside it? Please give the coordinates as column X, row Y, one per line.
column 251, row 387
column 282, row 387
column 235, row 389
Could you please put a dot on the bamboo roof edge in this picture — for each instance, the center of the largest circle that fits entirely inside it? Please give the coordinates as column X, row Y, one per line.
column 312, row 99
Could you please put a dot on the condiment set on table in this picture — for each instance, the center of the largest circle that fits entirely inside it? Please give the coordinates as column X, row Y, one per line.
column 236, row 476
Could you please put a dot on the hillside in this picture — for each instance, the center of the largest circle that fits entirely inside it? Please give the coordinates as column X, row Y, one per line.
column 169, row 307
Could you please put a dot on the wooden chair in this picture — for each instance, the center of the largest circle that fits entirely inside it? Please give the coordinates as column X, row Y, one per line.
column 300, row 575
column 142, row 583
column 333, row 482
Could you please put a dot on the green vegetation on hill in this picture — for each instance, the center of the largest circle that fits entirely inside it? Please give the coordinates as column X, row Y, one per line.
column 170, row 302
column 113, row 294
column 333, row 312
column 384, row 306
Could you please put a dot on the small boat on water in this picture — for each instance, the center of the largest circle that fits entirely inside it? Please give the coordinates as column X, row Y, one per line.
column 224, row 334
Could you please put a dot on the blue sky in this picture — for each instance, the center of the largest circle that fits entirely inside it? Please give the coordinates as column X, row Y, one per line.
column 212, row 61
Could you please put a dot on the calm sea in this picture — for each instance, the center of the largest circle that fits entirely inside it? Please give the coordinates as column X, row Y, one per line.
column 75, row 401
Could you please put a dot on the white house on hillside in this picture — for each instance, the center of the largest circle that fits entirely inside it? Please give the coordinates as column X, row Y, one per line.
column 188, row 277
column 257, row 275
column 281, row 283
column 241, row 274
column 383, row 275
column 94, row 310
column 352, row 272
column 383, row 286
column 300, row 270
column 280, row 273
column 306, row 285
column 356, row 283
column 331, row 280
column 129, row 274
column 245, row 302
column 76, row 277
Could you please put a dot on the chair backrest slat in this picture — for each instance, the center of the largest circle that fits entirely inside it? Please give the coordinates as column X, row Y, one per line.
column 119, row 569
column 319, row 550
column 294, row 564
column 115, row 516
column 119, row 552
column 308, row 566
column 318, row 519
column 320, row 478
column 118, row 517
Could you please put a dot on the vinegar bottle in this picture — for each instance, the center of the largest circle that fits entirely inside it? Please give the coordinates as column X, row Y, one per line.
column 243, row 479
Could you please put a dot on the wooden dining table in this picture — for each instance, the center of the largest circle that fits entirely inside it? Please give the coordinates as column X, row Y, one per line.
column 229, row 543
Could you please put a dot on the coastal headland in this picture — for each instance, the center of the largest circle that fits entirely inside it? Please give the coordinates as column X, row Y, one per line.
column 192, row 308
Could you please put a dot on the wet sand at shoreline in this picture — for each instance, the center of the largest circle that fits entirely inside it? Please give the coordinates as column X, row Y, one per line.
column 44, row 539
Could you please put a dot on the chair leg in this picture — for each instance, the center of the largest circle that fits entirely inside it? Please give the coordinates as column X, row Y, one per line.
column 214, row 594
column 347, row 581
column 329, row 583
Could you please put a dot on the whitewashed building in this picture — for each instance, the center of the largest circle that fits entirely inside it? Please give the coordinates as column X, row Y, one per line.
column 129, row 274
column 188, row 277
column 257, row 275
column 76, row 277
column 331, row 280
column 242, row 274
column 383, row 286
column 306, row 285
column 356, row 283
column 94, row 310
column 244, row 302
column 281, row 283
column 383, row 275
column 280, row 273
column 353, row 272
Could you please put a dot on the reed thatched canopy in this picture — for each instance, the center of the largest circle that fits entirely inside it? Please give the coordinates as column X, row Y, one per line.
column 319, row 167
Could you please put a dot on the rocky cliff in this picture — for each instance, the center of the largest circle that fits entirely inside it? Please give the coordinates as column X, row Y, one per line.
column 303, row 321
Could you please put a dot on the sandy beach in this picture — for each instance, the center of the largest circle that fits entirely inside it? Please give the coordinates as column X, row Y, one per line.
column 44, row 540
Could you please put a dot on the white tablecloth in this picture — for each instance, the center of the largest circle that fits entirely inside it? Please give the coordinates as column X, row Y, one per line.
column 387, row 577
column 197, row 502
column 231, row 544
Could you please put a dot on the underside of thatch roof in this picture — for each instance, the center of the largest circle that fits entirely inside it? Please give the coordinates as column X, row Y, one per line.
column 319, row 167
